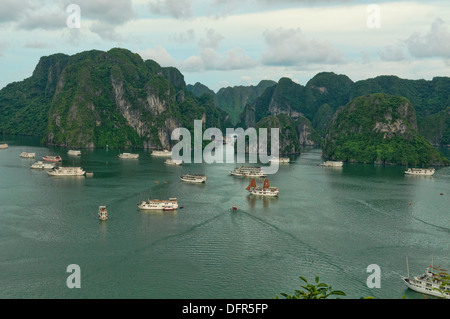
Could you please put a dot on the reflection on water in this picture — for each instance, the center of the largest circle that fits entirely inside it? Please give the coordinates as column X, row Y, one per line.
column 266, row 201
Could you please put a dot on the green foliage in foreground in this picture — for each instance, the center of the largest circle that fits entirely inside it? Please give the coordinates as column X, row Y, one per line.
column 316, row 290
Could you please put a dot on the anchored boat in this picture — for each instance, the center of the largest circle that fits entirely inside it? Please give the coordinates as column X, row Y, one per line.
column 434, row 282
column 332, row 164
column 172, row 162
column 52, row 158
column 42, row 165
column 266, row 190
column 27, row 155
column 74, row 153
column 420, row 171
column 162, row 153
column 248, row 171
column 156, row 204
column 276, row 159
column 129, row 156
column 3, row 146
column 66, row 171
column 102, row 213
column 193, row 178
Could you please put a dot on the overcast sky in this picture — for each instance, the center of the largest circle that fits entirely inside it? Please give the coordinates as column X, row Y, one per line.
column 237, row 42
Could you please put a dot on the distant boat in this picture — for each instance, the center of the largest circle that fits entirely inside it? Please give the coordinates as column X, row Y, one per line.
column 27, row 155
column 275, row 159
column 234, row 207
column 248, row 171
column 420, row 171
column 74, row 153
column 332, row 164
column 156, row 204
column 3, row 146
column 266, row 190
column 172, row 162
column 434, row 282
column 52, row 158
column 162, row 153
column 128, row 155
column 102, row 213
column 89, row 174
column 66, row 171
column 42, row 165
column 193, row 178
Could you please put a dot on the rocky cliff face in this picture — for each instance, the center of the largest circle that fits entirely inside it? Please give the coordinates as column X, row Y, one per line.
column 114, row 98
column 378, row 128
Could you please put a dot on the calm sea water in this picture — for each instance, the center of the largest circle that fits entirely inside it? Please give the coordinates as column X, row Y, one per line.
column 327, row 222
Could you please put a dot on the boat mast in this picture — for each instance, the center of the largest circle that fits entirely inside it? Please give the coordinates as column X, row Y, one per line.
column 407, row 266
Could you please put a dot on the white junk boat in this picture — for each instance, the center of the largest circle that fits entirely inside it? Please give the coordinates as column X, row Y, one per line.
column 193, row 178
column 266, row 190
column 156, row 204
column 27, row 155
column 434, row 282
column 3, row 146
column 279, row 159
column 66, row 171
column 74, row 153
column 162, row 153
column 128, row 155
column 102, row 213
column 172, row 162
column 420, row 171
column 248, row 171
column 42, row 165
column 332, row 164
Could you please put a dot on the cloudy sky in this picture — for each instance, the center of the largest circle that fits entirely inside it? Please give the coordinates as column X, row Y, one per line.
column 236, row 42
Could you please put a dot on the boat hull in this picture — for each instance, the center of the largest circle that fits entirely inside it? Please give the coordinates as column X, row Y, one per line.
column 427, row 291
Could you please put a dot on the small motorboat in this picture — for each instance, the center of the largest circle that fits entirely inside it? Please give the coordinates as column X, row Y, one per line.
column 234, row 207
column 102, row 213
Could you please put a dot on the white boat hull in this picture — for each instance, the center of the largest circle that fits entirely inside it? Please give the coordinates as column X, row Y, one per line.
column 158, row 205
column 67, row 171
column 162, row 153
column 129, row 156
column 420, row 172
column 427, row 291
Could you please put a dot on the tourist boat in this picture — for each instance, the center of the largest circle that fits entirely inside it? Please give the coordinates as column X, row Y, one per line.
column 74, row 153
column 3, row 146
column 193, row 178
column 266, row 190
column 420, row 171
column 102, row 213
column 128, row 155
column 172, row 162
column 42, row 165
column 332, row 164
column 275, row 159
column 162, row 153
column 248, row 171
column 434, row 282
column 66, row 171
column 52, row 158
column 156, row 204
column 27, row 155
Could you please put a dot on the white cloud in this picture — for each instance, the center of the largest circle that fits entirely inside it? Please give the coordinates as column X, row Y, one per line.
column 291, row 47
column 436, row 43
column 179, row 9
column 158, row 54
column 392, row 53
